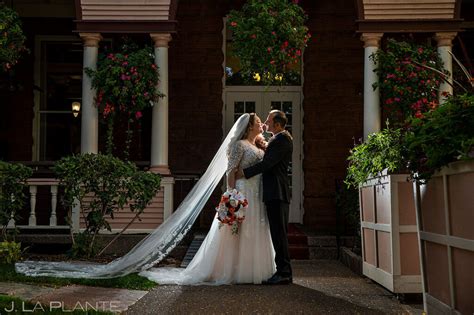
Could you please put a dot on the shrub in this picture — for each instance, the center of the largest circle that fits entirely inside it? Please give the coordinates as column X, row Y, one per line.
column 12, row 191
column 382, row 150
column 109, row 184
column 441, row 137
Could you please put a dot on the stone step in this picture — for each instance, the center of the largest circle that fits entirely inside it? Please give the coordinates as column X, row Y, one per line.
column 192, row 249
column 323, row 252
column 322, row 241
column 297, row 239
column 298, row 251
column 297, row 242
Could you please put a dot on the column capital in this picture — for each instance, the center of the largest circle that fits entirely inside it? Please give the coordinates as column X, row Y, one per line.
column 91, row 39
column 371, row 39
column 445, row 38
column 161, row 39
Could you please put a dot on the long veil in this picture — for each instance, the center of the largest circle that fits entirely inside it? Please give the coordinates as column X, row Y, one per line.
column 154, row 247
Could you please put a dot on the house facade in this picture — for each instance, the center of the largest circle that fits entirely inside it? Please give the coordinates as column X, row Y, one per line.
column 332, row 106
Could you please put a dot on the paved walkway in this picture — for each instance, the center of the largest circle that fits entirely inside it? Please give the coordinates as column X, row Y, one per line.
column 320, row 287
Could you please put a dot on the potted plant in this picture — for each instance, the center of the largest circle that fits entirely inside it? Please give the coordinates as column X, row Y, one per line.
column 387, row 211
column 126, row 84
column 269, row 38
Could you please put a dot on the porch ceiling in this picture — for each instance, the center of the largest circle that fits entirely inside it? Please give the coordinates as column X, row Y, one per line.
column 126, row 16
column 408, row 15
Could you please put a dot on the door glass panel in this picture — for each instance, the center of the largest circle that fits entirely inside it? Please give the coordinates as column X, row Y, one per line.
column 239, row 107
column 242, row 107
column 287, row 108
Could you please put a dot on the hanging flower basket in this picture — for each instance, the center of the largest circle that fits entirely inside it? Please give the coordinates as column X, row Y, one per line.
column 408, row 85
column 12, row 39
column 126, row 84
column 269, row 37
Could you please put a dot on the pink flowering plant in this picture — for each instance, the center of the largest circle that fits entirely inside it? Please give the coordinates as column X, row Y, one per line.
column 126, row 84
column 408, row 85
column 12, row 39
column 269, row 38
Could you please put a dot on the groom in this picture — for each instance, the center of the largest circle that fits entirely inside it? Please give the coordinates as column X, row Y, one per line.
column 276, row 191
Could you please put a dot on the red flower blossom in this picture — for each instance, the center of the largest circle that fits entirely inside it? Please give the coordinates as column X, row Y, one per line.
column 108, row 109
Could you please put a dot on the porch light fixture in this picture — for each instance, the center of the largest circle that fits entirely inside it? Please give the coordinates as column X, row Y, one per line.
column 76, row 107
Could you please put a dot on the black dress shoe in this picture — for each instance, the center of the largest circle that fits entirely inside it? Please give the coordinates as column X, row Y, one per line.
column 278, row 279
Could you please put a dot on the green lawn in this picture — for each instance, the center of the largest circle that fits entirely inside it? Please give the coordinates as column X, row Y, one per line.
column 13, row 305
column 132, row 281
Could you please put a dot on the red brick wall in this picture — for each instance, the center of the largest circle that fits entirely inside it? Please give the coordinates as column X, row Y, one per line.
column 195, row 115
column 333, row 105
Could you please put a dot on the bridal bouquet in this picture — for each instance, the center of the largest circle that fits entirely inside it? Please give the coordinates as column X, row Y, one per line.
column 231, row 210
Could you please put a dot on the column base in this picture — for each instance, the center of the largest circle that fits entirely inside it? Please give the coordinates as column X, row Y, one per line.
column 160, row 169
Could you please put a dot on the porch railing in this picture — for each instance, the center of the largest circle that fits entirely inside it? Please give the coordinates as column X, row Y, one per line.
column 44, row 198
column 33, row 185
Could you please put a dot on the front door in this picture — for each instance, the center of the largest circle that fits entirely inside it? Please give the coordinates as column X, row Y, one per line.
column 262, row 102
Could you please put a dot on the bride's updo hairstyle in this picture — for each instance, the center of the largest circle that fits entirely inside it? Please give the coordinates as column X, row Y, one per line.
column 259, row 141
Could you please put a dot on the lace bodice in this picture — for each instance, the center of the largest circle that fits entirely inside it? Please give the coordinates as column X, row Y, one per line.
column 243, row 154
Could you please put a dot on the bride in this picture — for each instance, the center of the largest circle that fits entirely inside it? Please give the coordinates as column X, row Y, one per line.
column 223, row 258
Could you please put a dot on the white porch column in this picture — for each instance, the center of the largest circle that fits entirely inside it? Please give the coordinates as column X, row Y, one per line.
column 159, row 125
column 372, row 115
column 90, row 114
column 445, row 43
column 159, row 128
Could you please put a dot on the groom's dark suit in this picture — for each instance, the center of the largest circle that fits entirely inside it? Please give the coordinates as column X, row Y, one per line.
column 276, row 195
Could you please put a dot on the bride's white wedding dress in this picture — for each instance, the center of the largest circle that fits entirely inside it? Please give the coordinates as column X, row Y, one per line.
column 224, row 258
